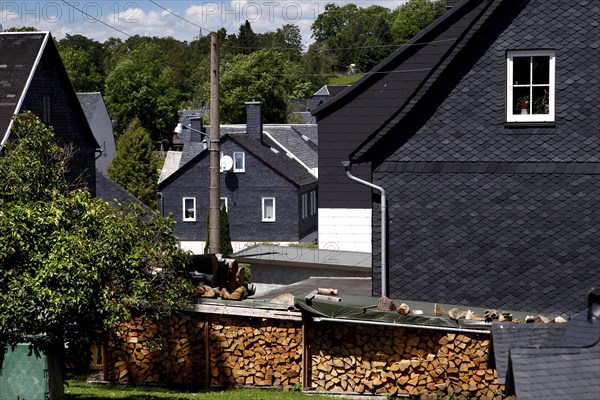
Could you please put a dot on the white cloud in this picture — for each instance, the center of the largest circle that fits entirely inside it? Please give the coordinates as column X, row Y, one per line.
column 140, row 18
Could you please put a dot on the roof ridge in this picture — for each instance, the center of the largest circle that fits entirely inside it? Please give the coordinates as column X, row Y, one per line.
column 416, row 40
column 488, row 7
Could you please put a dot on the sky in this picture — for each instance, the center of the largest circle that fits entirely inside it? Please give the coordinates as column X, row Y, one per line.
column 183, row 20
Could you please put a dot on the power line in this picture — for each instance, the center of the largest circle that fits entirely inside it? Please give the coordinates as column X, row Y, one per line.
column 179, row 16
column 96, row 19
column 343, row 48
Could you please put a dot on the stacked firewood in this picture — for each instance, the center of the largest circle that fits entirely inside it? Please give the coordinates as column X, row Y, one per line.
column 255, row 352
column 143, row 352
column 375, row 359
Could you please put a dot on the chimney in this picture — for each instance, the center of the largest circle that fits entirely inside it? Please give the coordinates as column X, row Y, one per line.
column 254, row 126
column 196, row 125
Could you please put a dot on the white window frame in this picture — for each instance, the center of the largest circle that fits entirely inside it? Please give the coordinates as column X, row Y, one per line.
column 235, row 166
column 313, row 202
column 510, row 106
column 264, row 216
column 188, row 219
column 224, row 200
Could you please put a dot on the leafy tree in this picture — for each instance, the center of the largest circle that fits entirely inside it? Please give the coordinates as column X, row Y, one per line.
column 135, row 166
column 22, row 29
column 140, row 86
column 414, row 16
column 286, row 40
column 82, row 72
column 266, row 76
column 354, row 35
column 70, row 263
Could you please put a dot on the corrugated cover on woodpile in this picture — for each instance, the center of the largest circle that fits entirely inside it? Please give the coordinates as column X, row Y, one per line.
column 358, row 308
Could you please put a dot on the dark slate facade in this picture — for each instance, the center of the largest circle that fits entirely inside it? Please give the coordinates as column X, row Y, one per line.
column 267, row 174
column 483, row 212
column 34, row 78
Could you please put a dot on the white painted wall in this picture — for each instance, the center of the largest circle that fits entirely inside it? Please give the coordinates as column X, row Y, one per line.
column 345, row 229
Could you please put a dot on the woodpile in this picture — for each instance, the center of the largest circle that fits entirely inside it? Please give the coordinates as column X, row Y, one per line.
column 255, row 352
column 228, row 280
column 243, row 351
column 386, row 360
column 143, row 352
column 219, row 350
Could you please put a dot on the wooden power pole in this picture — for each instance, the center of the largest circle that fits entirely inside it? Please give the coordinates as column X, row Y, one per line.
column 214, row 217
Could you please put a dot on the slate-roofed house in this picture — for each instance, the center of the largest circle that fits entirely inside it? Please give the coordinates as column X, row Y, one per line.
column 489, row 205
column 269, row 193
column 33, row 78
column 97, row 116
column 550, row 361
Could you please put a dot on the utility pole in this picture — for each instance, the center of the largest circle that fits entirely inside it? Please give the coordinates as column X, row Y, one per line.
column 214, row 217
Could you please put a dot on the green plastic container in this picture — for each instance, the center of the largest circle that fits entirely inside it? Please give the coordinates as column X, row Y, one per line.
column 27, row 376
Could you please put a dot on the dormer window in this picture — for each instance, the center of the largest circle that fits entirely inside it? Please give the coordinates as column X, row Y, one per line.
column 239, row 162
column 530, row 86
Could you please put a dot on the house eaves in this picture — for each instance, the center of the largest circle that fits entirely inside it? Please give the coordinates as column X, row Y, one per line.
column 389, row 64
column 485, row 13
column 10, row 78
column 287, row 167
column 16, row 76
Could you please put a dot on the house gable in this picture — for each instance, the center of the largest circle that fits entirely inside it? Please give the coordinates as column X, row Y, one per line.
column 460, row 114
column 488, row 213
column 263, row 177
column 48, row 93
column 347, row 120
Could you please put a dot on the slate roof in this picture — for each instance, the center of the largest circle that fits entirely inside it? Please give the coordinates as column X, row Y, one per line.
column 112, row 192
column 280, row 162
column 88, row 102
column 484, row 136
column 170, row 165
column 293, row 139
column 287, row 167
column 19, row 56
column 331, row 90
column 542, row 361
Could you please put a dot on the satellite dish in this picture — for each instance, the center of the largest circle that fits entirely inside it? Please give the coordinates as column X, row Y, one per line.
column 226, row 163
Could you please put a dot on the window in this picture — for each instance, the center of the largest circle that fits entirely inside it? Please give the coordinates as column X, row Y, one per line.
column 239, row 162
column 47, row 109
column 268, row 209
column 304, row 206
column 313, row 202
column 223, row 203
column 530, row 86
column 189, row 208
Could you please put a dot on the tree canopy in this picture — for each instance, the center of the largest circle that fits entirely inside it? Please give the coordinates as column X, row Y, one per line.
column 70, row 263
column 135, row 166
column 266, row 76
column 140, row 86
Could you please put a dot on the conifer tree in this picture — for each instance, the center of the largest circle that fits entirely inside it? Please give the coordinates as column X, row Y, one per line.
column 224, row 237
column 135, row 166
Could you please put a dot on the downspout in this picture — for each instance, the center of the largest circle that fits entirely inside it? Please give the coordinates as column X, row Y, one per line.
column 384, row 278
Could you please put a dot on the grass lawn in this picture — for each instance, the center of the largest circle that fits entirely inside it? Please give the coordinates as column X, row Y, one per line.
column 345, row 79
column 78, row 389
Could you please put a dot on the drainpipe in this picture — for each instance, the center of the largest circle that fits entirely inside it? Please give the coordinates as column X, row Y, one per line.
column 384, row 278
